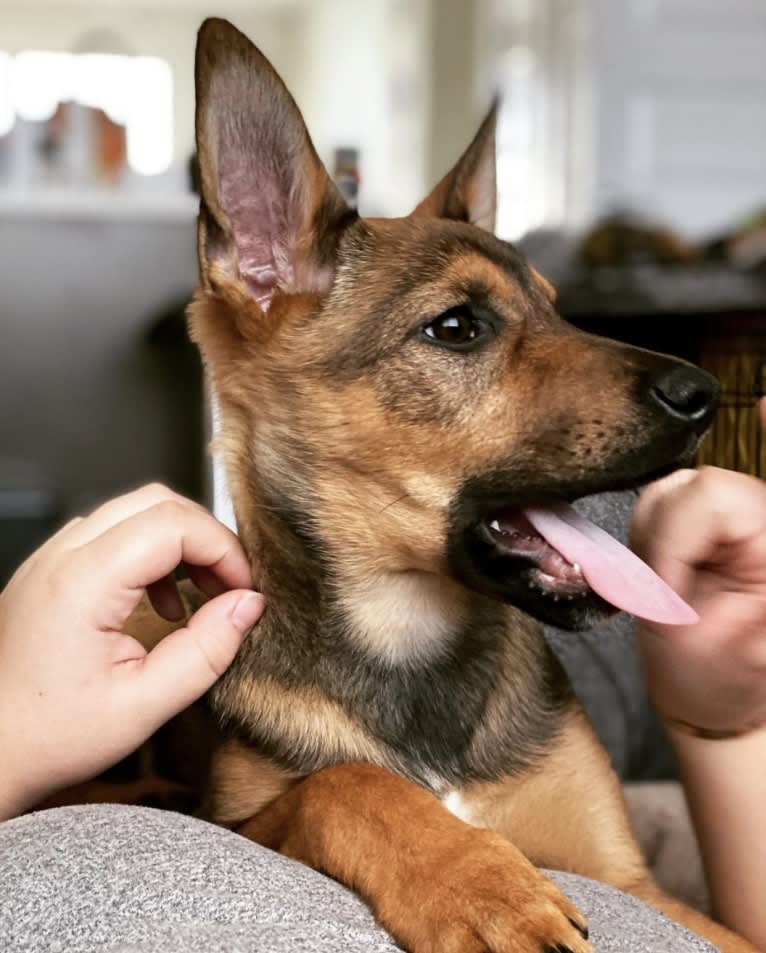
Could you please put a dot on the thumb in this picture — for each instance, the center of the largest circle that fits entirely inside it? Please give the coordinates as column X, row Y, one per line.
column 654, row 503
column 185, row 664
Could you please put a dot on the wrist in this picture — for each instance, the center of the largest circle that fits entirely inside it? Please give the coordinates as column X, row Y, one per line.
column 14, row 799
column 725, row 786
column 17, row 790
column 679, row 727
column 714, row 753
column 11, row 803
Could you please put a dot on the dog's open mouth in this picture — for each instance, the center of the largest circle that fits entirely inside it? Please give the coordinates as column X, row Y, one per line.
column 572, row 558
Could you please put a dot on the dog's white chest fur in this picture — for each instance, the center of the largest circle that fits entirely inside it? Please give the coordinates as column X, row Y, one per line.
column 403, row 617
column 456, row 804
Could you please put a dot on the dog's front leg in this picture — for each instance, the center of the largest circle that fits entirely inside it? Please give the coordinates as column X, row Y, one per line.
column 436, row 884
column 569, row 814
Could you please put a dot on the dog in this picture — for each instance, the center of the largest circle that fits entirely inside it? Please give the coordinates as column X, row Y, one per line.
column 404, row 420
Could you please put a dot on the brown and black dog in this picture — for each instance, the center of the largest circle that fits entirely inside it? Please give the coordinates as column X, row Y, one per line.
column 398, row 398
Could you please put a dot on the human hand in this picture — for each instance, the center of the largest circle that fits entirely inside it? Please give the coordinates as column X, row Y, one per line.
column 77, row 693
column 704, row 532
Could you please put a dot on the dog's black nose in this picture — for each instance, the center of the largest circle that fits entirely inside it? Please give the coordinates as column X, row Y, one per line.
column 686, row 393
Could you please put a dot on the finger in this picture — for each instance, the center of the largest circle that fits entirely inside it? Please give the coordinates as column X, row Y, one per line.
column 684, row 521
column 652, row 494
column 186, row 663
column 53, row 542
column 205, row 580
column 84, row 529
column 208, row 583
column 151, row 544
column 67, row 529
column 165, row 599
column 651, row 511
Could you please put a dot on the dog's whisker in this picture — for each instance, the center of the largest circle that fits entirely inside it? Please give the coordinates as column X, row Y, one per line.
column 399, row 499
column 264, row 506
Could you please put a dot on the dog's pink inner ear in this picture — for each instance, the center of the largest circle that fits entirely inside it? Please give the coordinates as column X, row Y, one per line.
column 270, row 215
column 262, row 224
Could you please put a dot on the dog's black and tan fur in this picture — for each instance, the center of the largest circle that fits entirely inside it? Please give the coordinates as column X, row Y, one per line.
column 385, row 387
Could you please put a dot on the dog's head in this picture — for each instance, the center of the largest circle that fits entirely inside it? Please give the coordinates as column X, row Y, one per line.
column 398, row 393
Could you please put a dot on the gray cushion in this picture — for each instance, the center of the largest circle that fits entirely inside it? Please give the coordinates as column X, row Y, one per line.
column 133, row 880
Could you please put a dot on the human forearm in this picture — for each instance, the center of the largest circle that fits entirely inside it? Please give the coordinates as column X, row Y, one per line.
column 725, row 783
column 14, row 799
column 704, row 533
column 11, row 804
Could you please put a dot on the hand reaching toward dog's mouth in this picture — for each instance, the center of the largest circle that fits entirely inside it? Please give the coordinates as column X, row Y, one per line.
column 705, row 532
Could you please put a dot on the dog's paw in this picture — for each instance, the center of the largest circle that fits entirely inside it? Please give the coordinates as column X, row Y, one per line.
column 481, row 895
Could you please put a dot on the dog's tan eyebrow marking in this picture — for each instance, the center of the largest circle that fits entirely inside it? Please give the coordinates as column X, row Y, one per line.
column 502, row 254
column 481, row 281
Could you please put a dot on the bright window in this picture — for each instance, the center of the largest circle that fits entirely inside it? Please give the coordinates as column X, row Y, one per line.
column 134, row 91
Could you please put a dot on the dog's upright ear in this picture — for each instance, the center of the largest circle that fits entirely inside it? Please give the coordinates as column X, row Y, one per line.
column 270, row 215
column 468, row 192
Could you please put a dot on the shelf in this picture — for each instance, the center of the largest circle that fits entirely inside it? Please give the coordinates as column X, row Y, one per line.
column 99, row 206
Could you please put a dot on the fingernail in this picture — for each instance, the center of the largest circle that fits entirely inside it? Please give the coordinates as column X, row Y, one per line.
column 246, row 611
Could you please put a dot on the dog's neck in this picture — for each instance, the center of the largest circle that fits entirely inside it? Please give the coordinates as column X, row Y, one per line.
column 380, row 662
column 399, row 616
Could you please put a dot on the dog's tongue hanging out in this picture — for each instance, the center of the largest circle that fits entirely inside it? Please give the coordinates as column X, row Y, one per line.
column 612, row 571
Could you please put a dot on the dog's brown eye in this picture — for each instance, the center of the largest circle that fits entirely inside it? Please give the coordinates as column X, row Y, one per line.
column 455, row 328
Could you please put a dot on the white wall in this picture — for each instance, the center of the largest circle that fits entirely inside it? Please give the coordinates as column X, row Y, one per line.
column 358, row 74
column 681, row 110
column 537, row 55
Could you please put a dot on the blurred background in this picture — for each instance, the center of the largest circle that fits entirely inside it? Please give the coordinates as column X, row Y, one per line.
column 632, row 170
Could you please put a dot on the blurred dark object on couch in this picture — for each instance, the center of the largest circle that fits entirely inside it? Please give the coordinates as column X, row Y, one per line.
column 621, row 240
column 743, row 246
column 623, row 266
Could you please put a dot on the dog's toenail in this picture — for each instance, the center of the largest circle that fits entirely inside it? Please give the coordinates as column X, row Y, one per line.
column 581, row 928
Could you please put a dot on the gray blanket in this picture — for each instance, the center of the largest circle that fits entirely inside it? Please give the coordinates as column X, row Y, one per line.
column 133, row 880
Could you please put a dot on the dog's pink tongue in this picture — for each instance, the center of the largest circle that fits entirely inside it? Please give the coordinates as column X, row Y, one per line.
column 611, row 570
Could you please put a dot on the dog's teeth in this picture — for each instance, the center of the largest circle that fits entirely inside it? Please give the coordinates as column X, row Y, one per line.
column 495, row 525
column 576, row 567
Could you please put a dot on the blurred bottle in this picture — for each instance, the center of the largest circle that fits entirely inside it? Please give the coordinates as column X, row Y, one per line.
column 346, row 174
